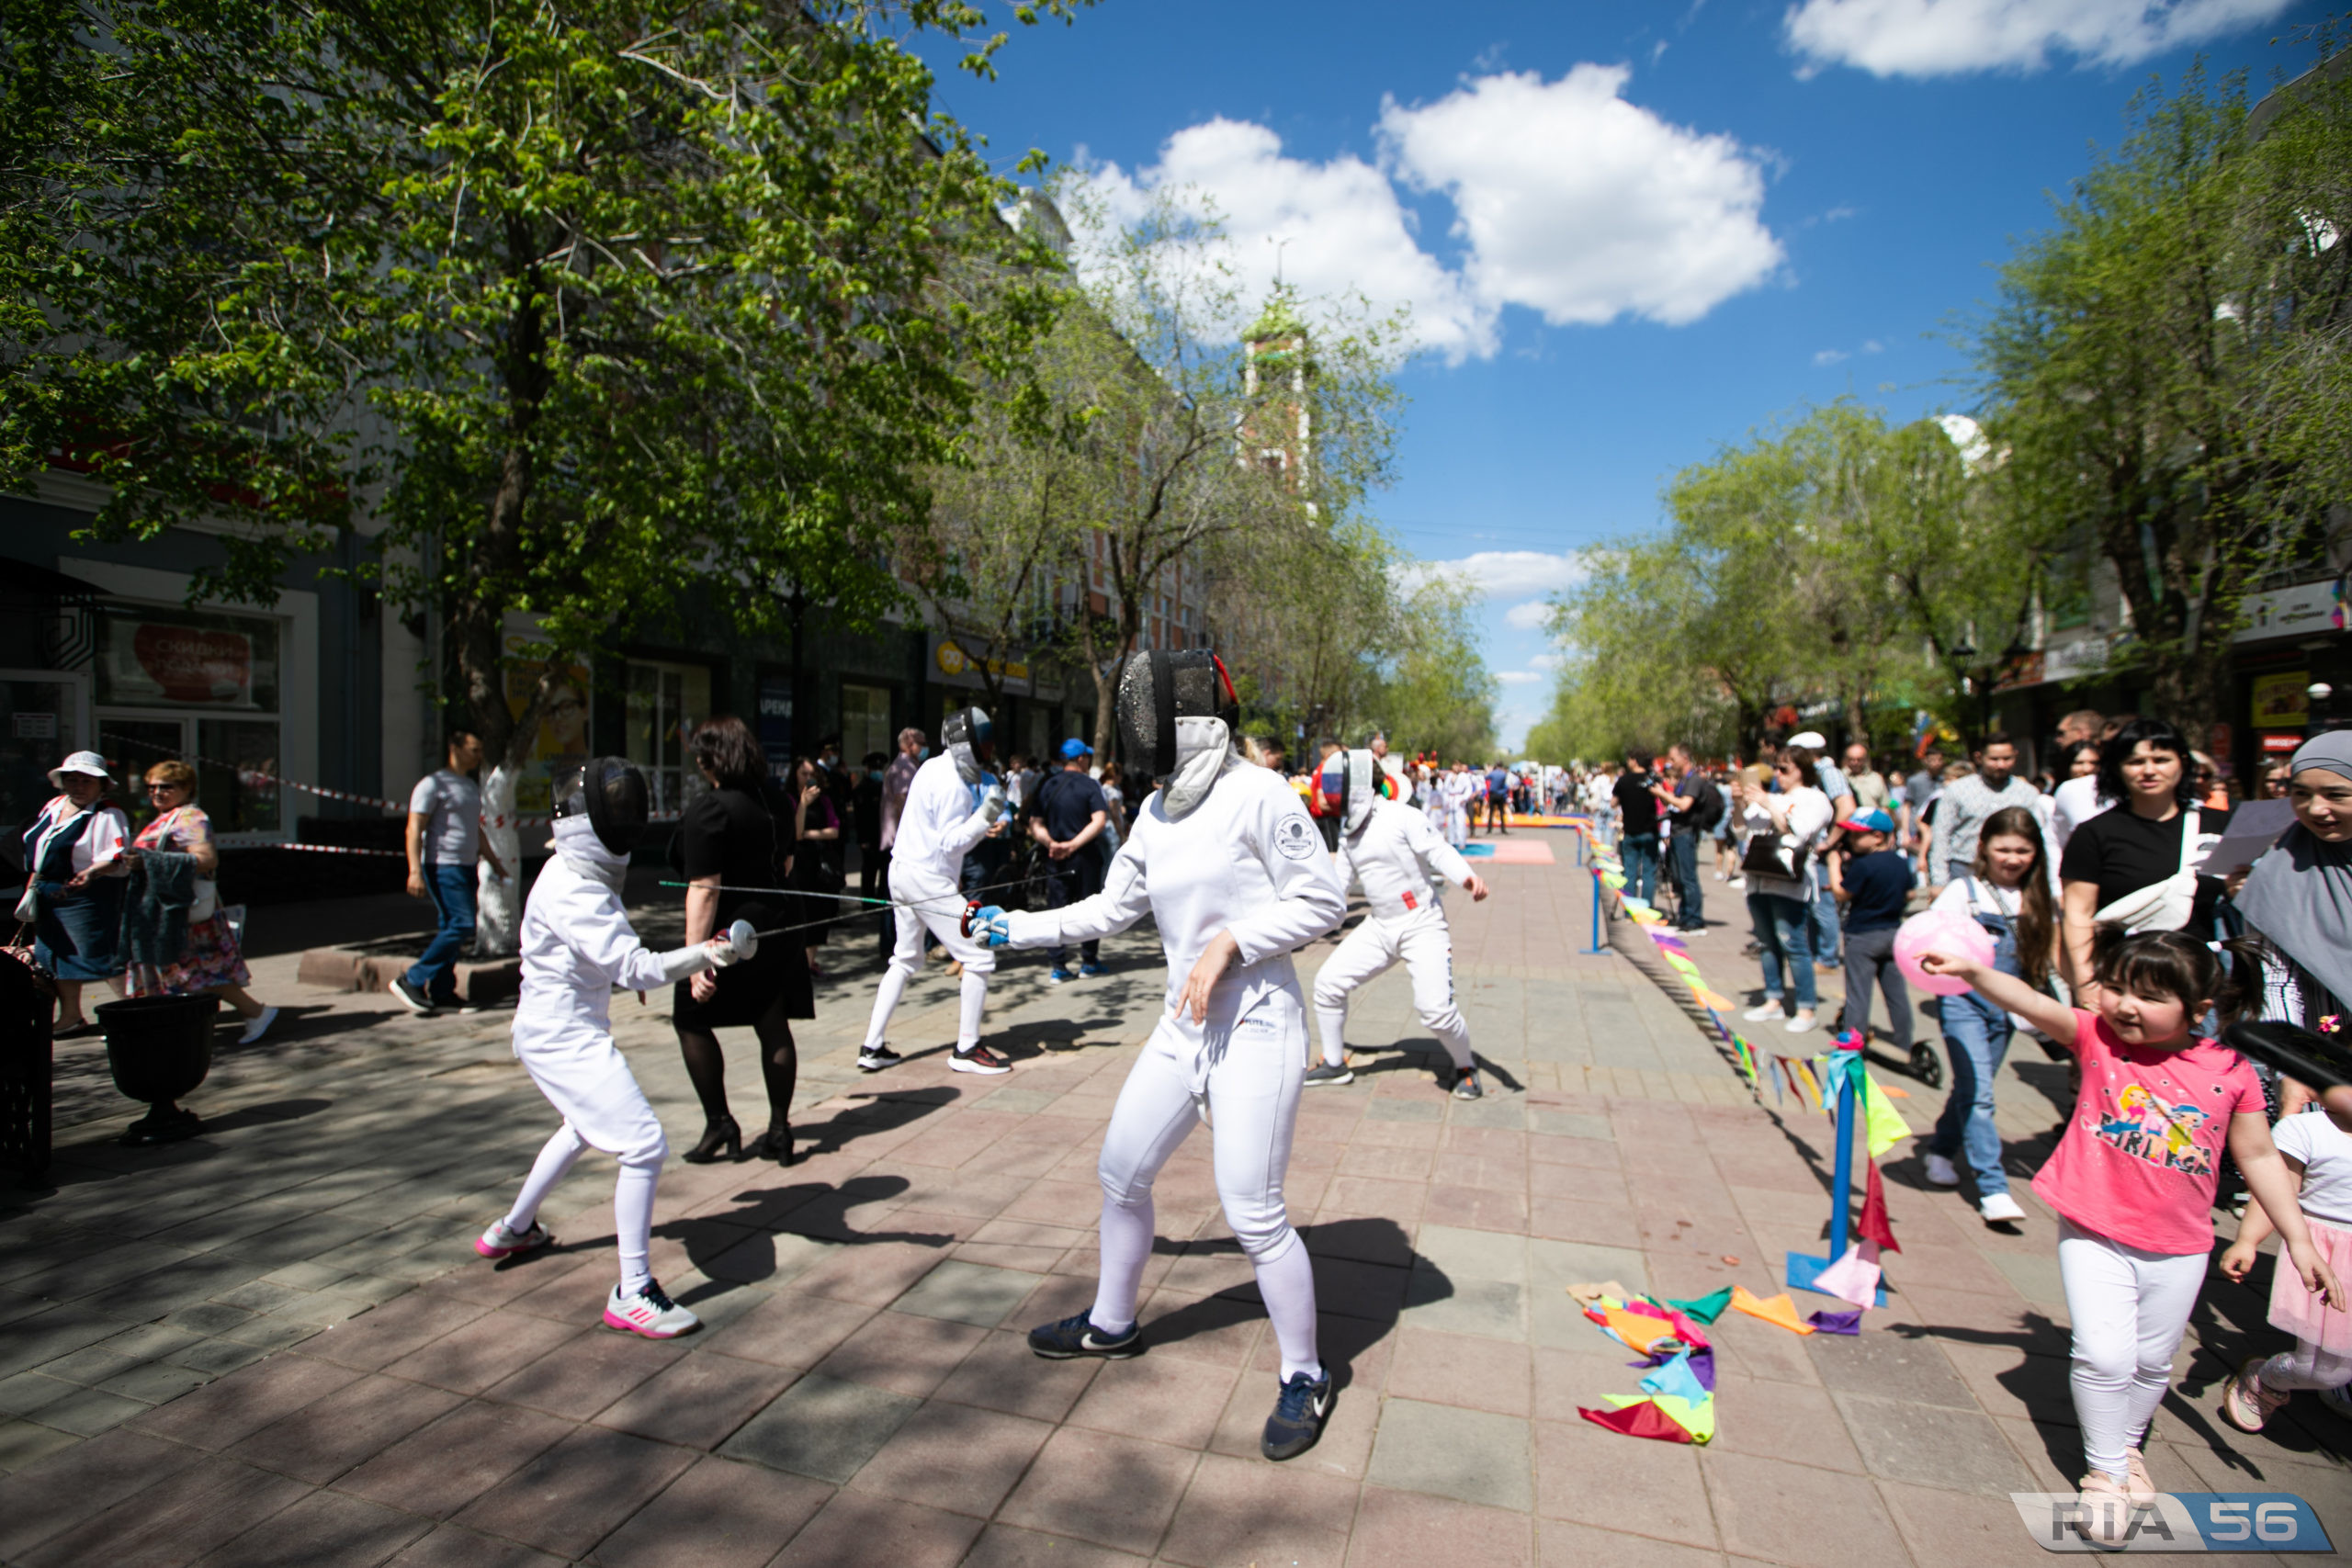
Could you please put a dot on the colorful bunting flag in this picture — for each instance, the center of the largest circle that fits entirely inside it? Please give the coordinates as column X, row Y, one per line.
column 1641, row 1420
column 1703, row 1309
column 1779, row 1309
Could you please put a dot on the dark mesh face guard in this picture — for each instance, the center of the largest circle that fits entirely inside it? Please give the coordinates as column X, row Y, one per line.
column 613, row 796
column 970, row 740
column 1362, row 773
column 1157, row 689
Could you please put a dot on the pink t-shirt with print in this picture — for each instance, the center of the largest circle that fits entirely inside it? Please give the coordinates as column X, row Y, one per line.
column 2142, row 1154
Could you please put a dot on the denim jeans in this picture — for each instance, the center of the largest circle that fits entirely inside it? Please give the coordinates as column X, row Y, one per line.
column 1869, row 961
column 1639, row 851
column 1786, row 932
column 1826, row 934
column 1682, row 865
column 1976, row 1036
column 451, row 889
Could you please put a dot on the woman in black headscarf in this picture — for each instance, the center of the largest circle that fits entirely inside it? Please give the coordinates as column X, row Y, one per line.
column 732, row 840
column 2297, row 899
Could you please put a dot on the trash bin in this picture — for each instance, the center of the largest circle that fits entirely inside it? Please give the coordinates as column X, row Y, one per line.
column 159, row 1048
column 27, row 1004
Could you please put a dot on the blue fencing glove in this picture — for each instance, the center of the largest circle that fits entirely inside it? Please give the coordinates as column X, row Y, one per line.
column 990, row 924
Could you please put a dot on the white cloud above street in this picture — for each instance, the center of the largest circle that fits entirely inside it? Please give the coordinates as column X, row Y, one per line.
column 1648, row 220
column 1530, row 617
column 1517, row 677
column 1944, row 38
column 1504, row 575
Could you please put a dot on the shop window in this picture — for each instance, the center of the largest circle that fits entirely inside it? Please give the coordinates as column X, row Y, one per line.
column 197, row 684
column 664, row 703
column 865, row 721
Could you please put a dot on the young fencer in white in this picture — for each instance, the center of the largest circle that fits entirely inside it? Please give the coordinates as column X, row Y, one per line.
column 578, row 948
column 1226, row 860
column 953, row 804
column 1398, row 857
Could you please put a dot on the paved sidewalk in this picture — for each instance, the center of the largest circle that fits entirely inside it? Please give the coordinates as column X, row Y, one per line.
column 275, row 1345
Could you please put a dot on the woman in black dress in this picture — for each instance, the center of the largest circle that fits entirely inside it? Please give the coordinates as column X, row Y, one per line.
column 732, row 840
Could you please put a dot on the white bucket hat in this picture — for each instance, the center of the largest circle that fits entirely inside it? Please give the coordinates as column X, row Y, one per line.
column 89, row 763
column 1811, row 741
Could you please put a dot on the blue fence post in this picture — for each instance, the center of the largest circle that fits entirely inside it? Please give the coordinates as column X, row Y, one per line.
column 1597, row 893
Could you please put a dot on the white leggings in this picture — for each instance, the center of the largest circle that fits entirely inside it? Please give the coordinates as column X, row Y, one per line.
column 2305, row 1365
column 939, row 913
column 609, row 1112
column 2129, row 1308
column 1422, row 940
column 1253, row 1088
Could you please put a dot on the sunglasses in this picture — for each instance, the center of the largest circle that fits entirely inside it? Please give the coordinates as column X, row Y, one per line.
column 155, row 784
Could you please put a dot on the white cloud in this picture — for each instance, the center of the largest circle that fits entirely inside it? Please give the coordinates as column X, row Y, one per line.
column 1533, row 616
column 1829, row 355
column 1872, row 345
column 1517, row 677
column 1506, row 574
column 1645, row 219
column 1938, row 38
column 1547, row 661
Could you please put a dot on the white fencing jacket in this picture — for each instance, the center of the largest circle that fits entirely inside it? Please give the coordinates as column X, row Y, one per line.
column 1394, row 854
column 941, row 823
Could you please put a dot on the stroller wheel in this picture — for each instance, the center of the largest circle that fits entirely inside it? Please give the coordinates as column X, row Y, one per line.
column 1925, row 1067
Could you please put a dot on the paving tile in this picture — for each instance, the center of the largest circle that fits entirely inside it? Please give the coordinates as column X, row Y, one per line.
column 858, row 1526
column 440, row 1468
column 953, row 1457
column 1778, row 1420
column 1930, row 1446
column 1003, row 1547
column 1947, row 1526
column 1492, row 1309
column 23, row 1443
column 489, row 1349
column 1652, row 1490
column 1243, row 1511
column 823, row 1427
column 236, row 1406
column 1563, row 1545
column 873, row 1273
column 578, row 1492
column 789, row 1329
column 1888, row 1366
column 974, row 1293
column 176, row 1520
column 1115, row 1492
column 325, row 1526
column 1406, row 1529
column 584, row 1374
column 697, row 1400
column 155, row 1382
column 1002, row 1373
column 1452, row 1368
column 86, row 1411
column 1772, row 1509
column 375, row 1339
column 448, row 1547
column 1472, row 1456
column 345, row 1428
column 908, row 1355
column 718, row 1515
column 1166, row 1398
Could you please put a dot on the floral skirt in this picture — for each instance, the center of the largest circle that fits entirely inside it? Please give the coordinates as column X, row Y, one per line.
column 209, row 961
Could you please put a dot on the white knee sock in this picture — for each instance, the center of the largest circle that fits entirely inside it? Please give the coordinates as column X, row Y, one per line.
column 1331, row 1022
column 1451, row 1033
column 972, row 998
column 1286, row 1281
column 555, row 1161
column 633, row 1222
column 1126, row 1247
column 885, row 997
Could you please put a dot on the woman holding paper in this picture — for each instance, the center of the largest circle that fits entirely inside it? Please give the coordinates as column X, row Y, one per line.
column 1782, row 832
column 2135, row 865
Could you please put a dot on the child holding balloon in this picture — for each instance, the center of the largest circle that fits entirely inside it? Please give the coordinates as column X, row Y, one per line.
column 2006, row 893
column 2132, row 1181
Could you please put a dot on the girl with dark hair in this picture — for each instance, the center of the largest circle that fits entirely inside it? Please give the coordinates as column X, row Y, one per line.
column 2133, row 1182
column 732, row 841
column 2007, row 891
column 2135, row 865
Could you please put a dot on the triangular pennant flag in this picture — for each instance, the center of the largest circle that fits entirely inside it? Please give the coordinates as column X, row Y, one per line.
column 1779, row 1309
column 1888, row 1127
column 1642, row 1420
column 1675, row 1377
column 1708, row 999
column 1853, row 1277
column 1696, row 1416
column 1837, row 1322
column 1872, row 1226
column 1706, row 1308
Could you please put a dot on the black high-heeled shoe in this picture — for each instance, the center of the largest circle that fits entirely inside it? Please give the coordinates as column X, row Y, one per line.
column 776, row 1143
column 715, row 1134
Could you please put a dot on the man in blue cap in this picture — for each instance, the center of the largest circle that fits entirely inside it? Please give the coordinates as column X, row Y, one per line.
column 1067, row 818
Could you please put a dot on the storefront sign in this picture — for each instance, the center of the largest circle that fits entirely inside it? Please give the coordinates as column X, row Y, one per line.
column 2290, row 612
column 2025, row 670
column 158, row 660
column 2282, row 742
column 2071, row 661
column 2282, row 702
column 958, row 667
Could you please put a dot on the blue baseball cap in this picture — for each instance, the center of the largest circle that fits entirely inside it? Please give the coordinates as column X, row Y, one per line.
column 1074, row 748
column 1873, row 820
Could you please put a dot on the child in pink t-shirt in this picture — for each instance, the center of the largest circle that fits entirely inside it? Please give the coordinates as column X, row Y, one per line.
column 2133, row 1178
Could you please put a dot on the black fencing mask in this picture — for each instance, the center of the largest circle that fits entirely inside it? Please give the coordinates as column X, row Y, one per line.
column 612, row 794
column 1157, row 689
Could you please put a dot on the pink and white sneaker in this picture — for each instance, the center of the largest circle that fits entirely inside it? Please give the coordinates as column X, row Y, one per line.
column 498, row 1242
column 649, row 1312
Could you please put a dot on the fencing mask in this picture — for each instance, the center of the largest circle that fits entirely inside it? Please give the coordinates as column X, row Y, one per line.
column 971, row 740
column 612, row 794
column 1156, row 689
column 1347, row 784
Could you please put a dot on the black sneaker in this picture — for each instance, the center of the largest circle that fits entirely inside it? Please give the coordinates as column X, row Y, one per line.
column 1074, row 1337
column 979, row 1059
column 409, row 996
column 874, row 1058
column 1300, row 1411
column 1323, row 1073
column 1465, row 1084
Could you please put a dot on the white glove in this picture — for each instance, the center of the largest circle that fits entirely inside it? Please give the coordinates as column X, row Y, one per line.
column 680, row 963
column 993, row 803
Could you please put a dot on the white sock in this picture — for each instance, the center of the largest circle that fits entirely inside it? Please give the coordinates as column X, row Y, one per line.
column 972, row 998
column 1286, row 1280
column 1332, row 1024
column 633, row 1223
column 555, row 1161
column 1126, row 1247
column 885, row 1002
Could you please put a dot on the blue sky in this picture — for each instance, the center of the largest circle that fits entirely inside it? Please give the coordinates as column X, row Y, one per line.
column 1629, row 233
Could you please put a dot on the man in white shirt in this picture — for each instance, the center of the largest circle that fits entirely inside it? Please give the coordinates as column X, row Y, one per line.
column 444, row 842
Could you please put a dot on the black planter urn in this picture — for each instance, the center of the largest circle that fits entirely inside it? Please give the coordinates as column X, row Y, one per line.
column 159, row 1048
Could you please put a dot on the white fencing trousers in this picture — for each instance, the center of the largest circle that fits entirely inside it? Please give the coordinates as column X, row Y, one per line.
column 1421, row 939
column 2129, row 1307
column 603, row 1109
column 939, row 910
column 1251, row 1087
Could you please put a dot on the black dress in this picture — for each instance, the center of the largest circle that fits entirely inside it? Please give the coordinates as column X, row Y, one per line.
column 730, row 834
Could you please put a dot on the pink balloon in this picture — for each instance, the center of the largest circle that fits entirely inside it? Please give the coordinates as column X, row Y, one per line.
column 1940, row 930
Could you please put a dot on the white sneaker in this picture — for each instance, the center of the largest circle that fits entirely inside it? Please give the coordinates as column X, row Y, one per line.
column 1998, row 1206
column 257, row 1027
column 498, row 1242
column 1739, row 882
column 1941, row 1172
column 2338, row 1400
column 1801, row 1023
column 649, row 1313
column 1758, row 1014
